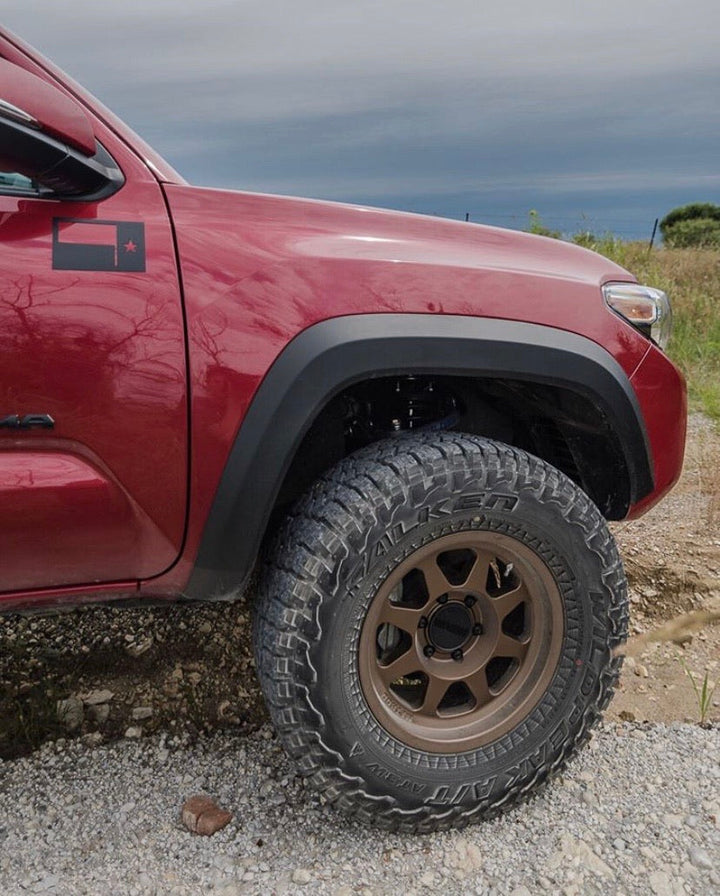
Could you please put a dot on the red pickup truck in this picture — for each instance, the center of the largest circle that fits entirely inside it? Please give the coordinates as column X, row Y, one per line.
column 414, row 429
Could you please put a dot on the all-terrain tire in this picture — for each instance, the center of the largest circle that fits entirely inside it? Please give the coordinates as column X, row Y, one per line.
column 492, row 584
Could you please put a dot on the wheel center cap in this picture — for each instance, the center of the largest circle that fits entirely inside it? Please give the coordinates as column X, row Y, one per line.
column 450, row 626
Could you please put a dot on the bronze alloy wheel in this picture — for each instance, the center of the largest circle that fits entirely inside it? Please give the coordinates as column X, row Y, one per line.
column 460, row 642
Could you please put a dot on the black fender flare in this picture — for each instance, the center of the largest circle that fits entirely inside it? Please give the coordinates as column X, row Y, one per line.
column 330, row 356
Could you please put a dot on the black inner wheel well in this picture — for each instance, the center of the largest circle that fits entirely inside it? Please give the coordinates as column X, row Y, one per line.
column 563, row 427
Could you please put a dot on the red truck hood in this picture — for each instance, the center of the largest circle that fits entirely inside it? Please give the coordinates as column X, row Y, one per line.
column 334, row 230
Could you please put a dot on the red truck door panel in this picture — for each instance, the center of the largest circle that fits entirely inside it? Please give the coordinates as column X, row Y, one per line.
column 93, row 402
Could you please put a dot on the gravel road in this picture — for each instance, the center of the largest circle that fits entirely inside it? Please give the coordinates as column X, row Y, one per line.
column 638, row 812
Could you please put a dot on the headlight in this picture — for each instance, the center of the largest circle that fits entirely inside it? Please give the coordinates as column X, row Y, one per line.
column 646, row 308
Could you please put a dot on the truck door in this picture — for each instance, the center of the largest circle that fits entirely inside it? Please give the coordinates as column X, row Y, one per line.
column 93, row 396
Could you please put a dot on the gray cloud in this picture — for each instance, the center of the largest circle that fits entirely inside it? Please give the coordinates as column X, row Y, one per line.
column 408, row 100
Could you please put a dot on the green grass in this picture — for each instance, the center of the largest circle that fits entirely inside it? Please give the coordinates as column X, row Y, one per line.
column 704, row 691
column 691, row 278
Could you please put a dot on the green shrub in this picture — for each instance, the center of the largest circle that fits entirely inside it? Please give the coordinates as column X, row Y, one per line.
column 701, row 233
column 692, row 226
column 689, row 213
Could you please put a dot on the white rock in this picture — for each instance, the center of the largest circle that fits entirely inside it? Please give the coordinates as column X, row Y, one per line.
column 661, row 884
column 94, row 698
column 138, row 649
column 579, row 851
column 467, row 856
column 700, row 858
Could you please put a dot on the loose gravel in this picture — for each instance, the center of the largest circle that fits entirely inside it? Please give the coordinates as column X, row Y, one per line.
column 637, row 812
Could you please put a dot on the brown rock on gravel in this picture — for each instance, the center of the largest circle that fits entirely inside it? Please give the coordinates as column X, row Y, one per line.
column 201, row 815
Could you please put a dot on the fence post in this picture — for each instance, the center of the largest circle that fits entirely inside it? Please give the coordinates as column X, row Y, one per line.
column 652, row 238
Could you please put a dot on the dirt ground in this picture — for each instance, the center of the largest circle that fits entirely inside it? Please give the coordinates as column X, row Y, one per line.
column 672, row 559
column 101, row 673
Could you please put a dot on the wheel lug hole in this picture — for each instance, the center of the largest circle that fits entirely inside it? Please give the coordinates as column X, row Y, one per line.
column 470, row 601
column 428, row 650
column 443, row 599
column 457, row 655
column 423, row 622
column 477, row 629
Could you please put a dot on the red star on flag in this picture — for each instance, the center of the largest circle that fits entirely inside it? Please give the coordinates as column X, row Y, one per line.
column 129, row 246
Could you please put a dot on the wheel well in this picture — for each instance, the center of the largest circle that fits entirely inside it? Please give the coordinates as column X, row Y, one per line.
column 335, row 386
column 563, row 427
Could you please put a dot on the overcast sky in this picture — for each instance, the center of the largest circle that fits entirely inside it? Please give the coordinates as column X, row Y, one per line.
column 598, row 114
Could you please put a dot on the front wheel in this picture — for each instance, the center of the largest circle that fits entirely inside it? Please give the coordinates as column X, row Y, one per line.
column 435, row 633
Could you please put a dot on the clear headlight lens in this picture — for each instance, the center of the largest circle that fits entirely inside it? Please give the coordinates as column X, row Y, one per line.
column 646, row 308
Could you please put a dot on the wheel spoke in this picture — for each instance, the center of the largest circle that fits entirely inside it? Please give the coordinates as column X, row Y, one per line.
column 511, row 647
column 477, row 580
column 506, row 603
column 405, row 664
column 434, row 693
column 435, row 581
column 478, row 686
column 405, row 618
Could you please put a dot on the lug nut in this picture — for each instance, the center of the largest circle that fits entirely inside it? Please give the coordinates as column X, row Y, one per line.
column 443, row 599
column 470, row 601
column 428, row 650
column 423, row 622
column 457, row 655
column 477, row 629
